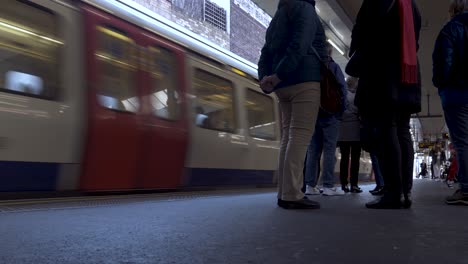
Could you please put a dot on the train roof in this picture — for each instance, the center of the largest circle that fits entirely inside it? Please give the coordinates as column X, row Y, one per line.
column 144, row 17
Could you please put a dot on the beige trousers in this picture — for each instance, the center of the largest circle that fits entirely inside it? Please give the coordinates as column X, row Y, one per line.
column 299, row 105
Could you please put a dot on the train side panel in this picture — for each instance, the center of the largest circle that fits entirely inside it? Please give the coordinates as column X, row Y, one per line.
column 223, row 151
column 41, row 100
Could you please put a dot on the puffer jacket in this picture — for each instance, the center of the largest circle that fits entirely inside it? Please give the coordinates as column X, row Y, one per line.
column 450, row 61
column 293, row 33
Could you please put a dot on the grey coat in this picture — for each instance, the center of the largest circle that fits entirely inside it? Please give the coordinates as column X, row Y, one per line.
column 350, row 128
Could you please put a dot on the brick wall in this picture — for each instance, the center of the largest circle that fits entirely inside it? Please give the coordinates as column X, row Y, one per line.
column 254, row 11
column 248, row 24
column 188, row 14
column 247, row 34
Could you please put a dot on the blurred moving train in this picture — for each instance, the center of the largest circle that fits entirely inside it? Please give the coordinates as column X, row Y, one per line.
column 102, row 95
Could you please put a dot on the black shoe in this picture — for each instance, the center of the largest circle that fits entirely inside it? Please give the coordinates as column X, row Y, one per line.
column 304, row 203
column 345, row 188
column 377, row 191
column 458, row 198
column 280, row 203
column 386, row 202
column 356, row 189
column 407, row 201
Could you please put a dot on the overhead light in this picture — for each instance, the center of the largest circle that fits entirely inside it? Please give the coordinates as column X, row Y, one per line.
column 336, row 47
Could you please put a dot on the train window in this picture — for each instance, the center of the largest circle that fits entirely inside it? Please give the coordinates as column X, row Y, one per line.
column 116, row 62
column 164, row 97
column 214, row 104
column 261, row 115
column 29, row 49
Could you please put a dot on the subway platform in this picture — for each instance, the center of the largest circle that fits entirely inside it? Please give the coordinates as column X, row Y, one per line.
column 240, row 226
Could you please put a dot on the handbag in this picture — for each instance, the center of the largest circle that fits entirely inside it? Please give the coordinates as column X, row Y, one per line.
column 354, row 66
column 331, row 95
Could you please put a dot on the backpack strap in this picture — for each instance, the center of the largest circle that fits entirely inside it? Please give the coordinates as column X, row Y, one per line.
column 324, row 63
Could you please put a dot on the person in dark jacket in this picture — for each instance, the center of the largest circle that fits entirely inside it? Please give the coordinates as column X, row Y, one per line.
column 450, row 61
column 324, row 140
column 289, row 67
column 386, row 38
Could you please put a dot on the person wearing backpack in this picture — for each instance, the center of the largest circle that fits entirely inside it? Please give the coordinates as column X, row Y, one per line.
column 289, row 67
column 384, row 54
column 450, row 61
column 324, row 140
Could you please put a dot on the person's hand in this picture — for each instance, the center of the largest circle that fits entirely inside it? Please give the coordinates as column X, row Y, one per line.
column 268, row 83
column 265, row 85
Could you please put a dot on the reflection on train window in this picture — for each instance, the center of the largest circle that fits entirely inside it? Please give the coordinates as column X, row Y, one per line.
column 116, row 63
column 29, row 49
column 213, row 102
column 24, row 83
column 261, row 115
column 164, row 97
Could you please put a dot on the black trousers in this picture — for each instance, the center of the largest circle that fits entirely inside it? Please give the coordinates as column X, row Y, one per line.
column 394, row 149
column 347, row 148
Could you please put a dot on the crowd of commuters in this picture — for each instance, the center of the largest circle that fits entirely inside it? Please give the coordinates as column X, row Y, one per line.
column 378, row 104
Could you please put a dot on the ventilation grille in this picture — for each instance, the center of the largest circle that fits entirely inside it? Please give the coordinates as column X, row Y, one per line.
column 215, row 15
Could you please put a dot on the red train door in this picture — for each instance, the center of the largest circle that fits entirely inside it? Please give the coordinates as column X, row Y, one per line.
column 165, row 124
column 137, row 133
column 110, row 161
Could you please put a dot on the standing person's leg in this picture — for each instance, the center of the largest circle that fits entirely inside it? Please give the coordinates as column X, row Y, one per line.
column 330, row 130
column 432, row 170
column 314, row 152
column 437, row 171
column 379, row 182
column 456, row 117
column 345, row 149
column 355, row 162
column 389, row 156
column 407, row 156
column 305, row 102
column 285, row 110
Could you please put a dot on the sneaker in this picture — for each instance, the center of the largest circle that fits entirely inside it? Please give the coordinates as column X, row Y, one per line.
column 333, row 192
column 312, row 190
column 458, row 198
column 377, row 191
column 356, row 189
column 377, row 188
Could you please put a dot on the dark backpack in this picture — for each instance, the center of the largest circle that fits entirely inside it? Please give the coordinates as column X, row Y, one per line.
column 331, row 96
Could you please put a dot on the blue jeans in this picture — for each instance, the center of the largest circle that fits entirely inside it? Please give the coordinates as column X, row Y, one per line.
column 324, row 139
column 378, row 174
column 456, row 117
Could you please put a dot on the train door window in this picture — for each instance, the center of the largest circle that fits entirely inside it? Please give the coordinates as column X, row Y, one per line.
column 164, row 96
column 261, row 115
column 116, row 62
column 30, row 47
column 214, row 105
